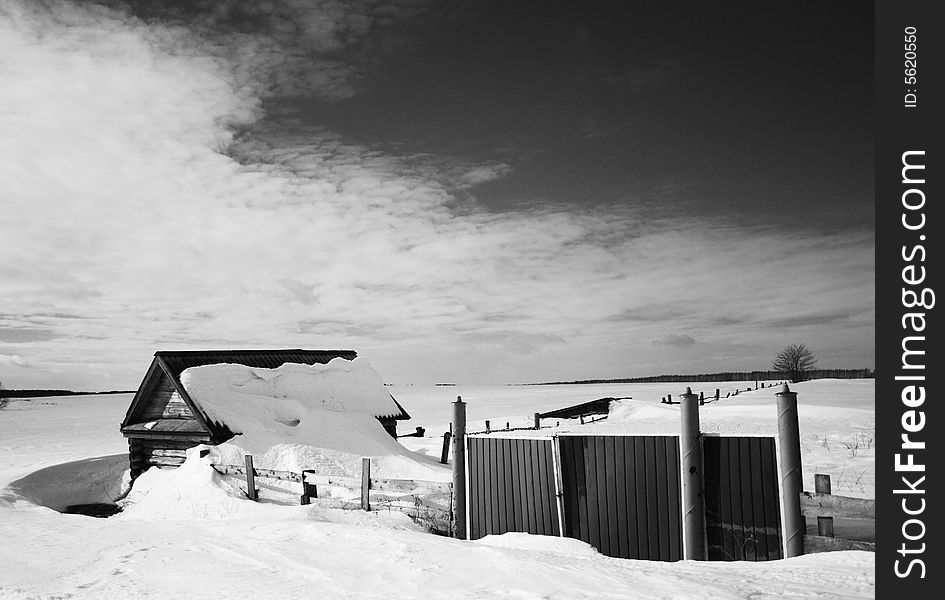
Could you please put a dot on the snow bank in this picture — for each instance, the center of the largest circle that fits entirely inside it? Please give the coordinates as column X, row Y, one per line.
column 539, row 543
column 193, row 490
column 100, row 480
column 295, row 417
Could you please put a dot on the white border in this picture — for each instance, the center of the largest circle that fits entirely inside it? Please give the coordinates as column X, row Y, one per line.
column 558, row 475
column 466, row 485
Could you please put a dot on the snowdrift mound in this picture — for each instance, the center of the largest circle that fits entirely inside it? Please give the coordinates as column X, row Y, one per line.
column 540, row 543
column 638, row 410
column 294, row 417
column 100, row 480
column 193, row 490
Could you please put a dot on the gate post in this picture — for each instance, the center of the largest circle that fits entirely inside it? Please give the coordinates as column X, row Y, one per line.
column 693, row 484
column 250, row 476
column 459, row 468
column 789, row 439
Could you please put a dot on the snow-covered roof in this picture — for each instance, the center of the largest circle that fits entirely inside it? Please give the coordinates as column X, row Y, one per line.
column 244, row 397
column 170, row 365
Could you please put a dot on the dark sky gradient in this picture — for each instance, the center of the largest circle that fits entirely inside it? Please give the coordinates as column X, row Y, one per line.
column 757, row 110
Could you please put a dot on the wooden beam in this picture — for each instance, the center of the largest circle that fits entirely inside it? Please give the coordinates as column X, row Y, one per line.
column 410, row 485
column 166, row 452
column 445, row 452
column 164, row 461
column 365, row 484
column 829, row 505
column 240, row 471
column 250, row 477
column 817, row 543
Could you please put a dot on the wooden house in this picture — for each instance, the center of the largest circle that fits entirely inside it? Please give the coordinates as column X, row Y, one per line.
column 163, row 421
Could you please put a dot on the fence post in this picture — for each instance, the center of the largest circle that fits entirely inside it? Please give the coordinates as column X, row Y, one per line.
column 822, row 486
column 444, row 454
column 717, row 391
column 537, row 421
column 459, row 468
column 250, row 477
column 309, row 490
column 690, row 441
column 825, row 526
column 365, row 484
column 789, row 439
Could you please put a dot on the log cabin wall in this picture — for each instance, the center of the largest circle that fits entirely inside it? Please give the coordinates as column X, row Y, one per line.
column 165, row 403
column 157, row 452
column 162, row 403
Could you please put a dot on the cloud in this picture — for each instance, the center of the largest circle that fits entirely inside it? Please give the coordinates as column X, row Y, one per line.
column 12, row 360
column 153, row 190
column 679, row 341
column 25, row 334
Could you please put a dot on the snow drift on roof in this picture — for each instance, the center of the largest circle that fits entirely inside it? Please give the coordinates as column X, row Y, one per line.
column 341, row 385
column 295, row 417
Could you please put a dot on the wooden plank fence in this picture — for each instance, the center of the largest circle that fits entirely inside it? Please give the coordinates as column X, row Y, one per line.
column 825, row 506
column 426, row 502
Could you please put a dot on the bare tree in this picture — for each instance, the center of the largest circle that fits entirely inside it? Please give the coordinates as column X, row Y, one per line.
column 795, row 361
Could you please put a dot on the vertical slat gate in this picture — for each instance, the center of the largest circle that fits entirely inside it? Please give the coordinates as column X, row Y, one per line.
column 622, row 494
column 742, row 498
column 511, row 486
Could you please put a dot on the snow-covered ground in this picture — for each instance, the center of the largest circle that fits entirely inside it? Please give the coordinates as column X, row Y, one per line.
column 190, row 532
column 836, row 417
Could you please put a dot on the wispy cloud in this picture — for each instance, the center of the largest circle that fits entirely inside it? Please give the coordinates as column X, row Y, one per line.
column 13, row 360
column 152, row 194
column 677, row 340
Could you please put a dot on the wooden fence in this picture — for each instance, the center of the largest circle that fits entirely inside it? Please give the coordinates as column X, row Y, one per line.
column 825, row 507
column 428, row 503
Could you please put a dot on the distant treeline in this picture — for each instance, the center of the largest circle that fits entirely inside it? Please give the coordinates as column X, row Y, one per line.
column 42, row 393
column 726, row 376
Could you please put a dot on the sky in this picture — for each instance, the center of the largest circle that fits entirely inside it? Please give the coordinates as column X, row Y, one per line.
column 461, row 191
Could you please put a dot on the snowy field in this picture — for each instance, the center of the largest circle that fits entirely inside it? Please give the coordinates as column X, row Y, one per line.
column 836, row 417
column 190, row 533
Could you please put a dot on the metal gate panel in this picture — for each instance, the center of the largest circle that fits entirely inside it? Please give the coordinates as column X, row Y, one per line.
column 511, row 486
column 742, row 498
column 622, row 494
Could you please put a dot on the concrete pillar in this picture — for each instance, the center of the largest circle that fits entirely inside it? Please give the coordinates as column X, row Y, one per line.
column 693, row 484
column 459, row 468
column 789, row 440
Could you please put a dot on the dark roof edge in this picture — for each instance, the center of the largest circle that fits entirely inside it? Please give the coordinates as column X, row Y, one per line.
column 251, row 351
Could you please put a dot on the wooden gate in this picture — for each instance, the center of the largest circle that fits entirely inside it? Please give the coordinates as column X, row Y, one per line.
column 742, row 498
column 622, row 494
column 511, row 485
